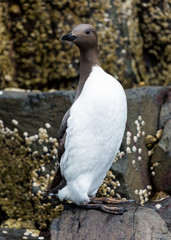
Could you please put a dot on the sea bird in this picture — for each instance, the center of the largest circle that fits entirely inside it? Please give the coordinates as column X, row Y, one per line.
column 92, row 129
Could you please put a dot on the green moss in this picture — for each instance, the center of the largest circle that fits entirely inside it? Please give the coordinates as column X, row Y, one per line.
column 6, row 63
column 22, row 178
column 154, row 21
column 134, row 42
column 41, row 60
column 26, row 164
column 109, row 186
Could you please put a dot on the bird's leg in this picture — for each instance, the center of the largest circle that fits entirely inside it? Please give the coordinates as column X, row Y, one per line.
column 110, row 200
column 101, row 207
column 102, row 204
column 98, row 203
column 114, row 210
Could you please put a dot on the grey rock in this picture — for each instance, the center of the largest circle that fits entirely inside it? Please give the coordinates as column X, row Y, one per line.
column 165, row 113
column 143, row 103
column 162, row 156
column 7, row 234
column 16, row 234
column 162, row 151
column 33, row 109
column 139, row 223
column 164, row 211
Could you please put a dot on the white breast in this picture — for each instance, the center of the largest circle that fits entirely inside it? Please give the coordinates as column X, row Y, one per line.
column 95, row 130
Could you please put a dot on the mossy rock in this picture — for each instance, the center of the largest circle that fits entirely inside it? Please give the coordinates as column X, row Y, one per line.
column 134, row 42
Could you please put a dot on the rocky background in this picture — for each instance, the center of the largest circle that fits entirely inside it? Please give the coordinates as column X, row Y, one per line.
column 38, row 78
column 28, row 154
column 134, row 41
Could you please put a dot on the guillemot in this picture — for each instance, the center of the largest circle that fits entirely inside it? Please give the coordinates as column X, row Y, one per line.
column 92, row 129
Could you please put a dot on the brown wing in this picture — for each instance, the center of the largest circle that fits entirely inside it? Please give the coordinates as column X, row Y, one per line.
column 58, row 181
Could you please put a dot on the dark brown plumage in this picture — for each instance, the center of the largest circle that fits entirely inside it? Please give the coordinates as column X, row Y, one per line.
column 85, row 38
column 91, row 130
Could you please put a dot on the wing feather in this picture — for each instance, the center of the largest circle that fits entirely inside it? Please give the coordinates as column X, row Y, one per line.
column 59, row 181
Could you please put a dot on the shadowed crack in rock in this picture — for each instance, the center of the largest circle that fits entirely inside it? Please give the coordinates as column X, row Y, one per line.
column 138, row 223
column 133, row 223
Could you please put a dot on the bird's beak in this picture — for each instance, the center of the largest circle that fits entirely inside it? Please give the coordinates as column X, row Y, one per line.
column 68, row 37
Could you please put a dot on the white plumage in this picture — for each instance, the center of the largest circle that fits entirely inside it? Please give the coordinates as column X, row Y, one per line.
column 94, row 133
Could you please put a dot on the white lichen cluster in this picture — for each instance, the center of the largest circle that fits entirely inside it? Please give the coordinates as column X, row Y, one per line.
column 15, row 122
column 30, row 160
column 144, row 194
column 48, row 150
column 7, row 132
column 150, row 152
column 119, row 155
column 109, row 186
column 43, row 139
column 32, row 233
column 132, row 141
column 139, row 124
column 152, row 168
column 158, row 206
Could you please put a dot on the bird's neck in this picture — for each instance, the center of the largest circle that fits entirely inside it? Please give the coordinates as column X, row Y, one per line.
column 88, row 59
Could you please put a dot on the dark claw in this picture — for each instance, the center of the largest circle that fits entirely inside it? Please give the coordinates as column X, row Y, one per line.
column 113, row 210
column 111, row 201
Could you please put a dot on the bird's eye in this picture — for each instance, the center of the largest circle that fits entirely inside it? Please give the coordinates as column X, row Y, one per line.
column 87, row 31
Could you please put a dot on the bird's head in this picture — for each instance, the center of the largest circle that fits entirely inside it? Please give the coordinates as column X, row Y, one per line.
column 83, row 35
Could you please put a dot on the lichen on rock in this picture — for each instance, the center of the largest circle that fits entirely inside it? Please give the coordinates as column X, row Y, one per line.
column 36, row 28
column 154, row 19
column 134, row 42
column 24, row 175
column 6, row 64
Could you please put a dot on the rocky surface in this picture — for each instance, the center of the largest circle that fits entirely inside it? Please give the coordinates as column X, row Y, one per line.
column 144, row 106
column 131, row 176
column 163, row 208
column 19, row 234
column 162, row 150
column 134, row 41
column 165, row 112
column 33, row 109
column 161, row 158
column 139, row 223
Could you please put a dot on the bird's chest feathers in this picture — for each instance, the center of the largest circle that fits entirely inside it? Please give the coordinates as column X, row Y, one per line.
column 101, row 106
column 101, row 94
column 96, row 124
